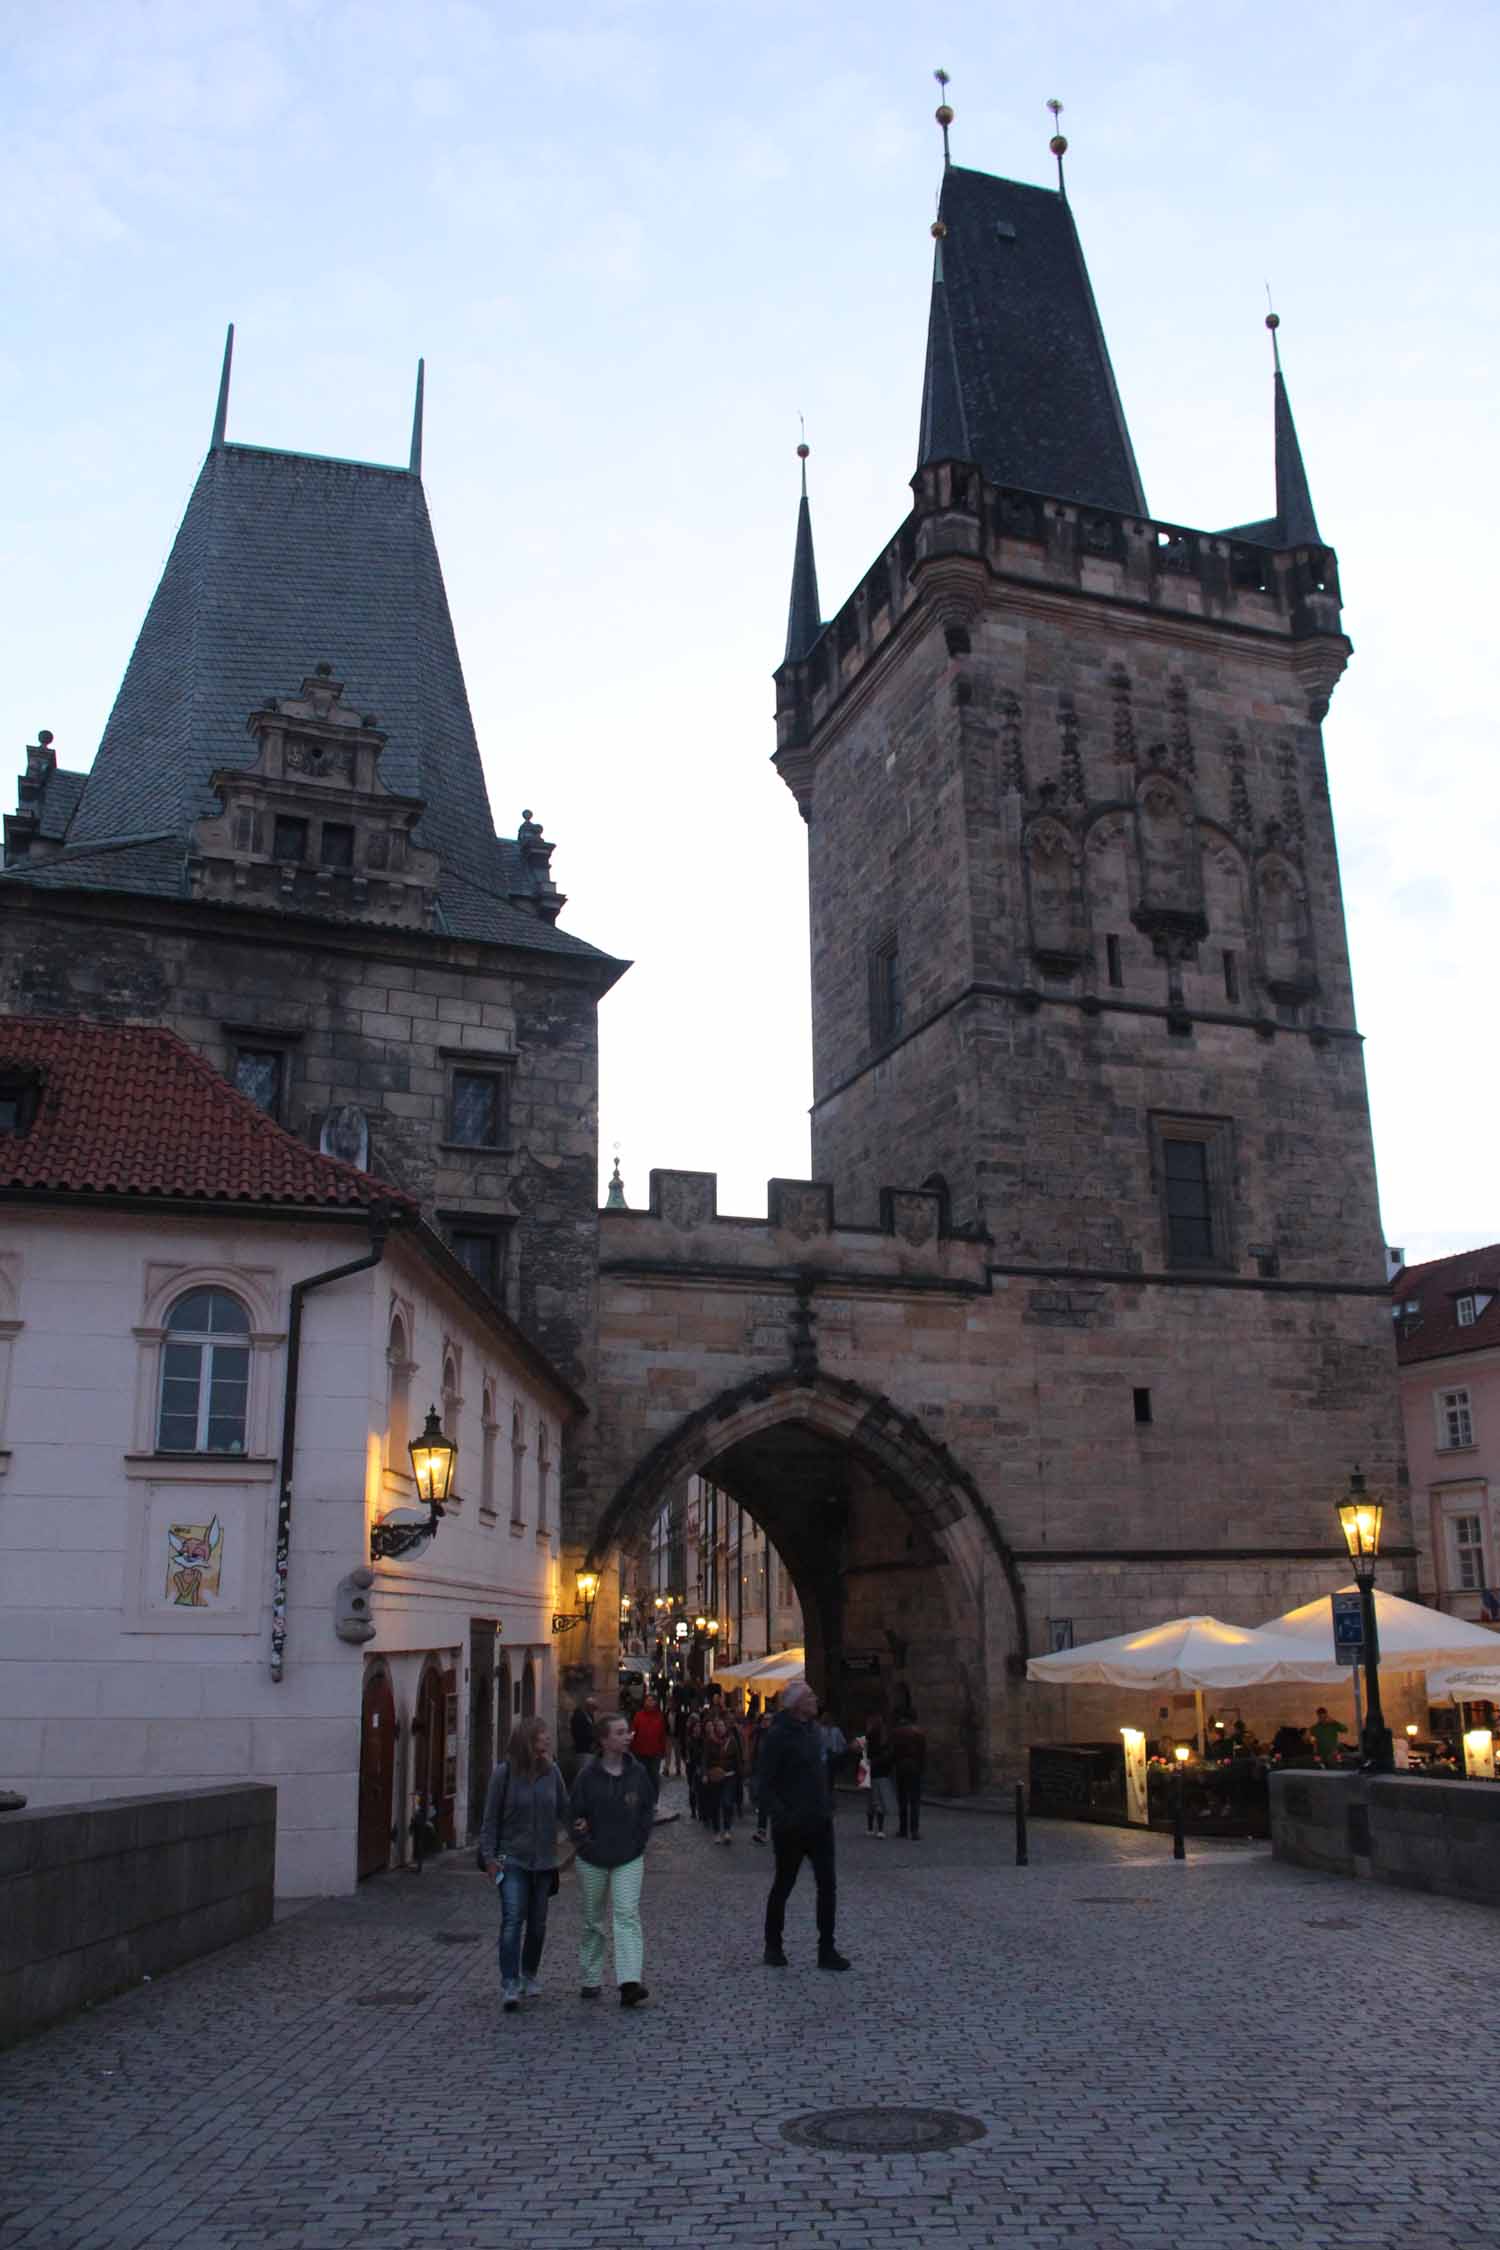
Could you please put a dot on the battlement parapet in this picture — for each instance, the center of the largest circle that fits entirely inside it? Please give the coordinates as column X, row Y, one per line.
column 684, row 1226
column 963, row 529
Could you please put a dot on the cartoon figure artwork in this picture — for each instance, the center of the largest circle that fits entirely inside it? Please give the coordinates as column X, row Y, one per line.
column 195, row 1554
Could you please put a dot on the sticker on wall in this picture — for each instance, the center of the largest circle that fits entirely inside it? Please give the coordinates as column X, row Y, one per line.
column 195, row 1554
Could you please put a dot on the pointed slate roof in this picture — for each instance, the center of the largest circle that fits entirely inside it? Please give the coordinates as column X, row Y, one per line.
column 1018, row 378
column 1294, row 523
column 284, row 561
column 804, row 616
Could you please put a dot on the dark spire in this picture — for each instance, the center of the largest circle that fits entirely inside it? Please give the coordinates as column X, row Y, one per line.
column 944, row 435
column 221, row 411
column 415, row 463
column 804, row 618
column 1058, row 143
column 1297, row 524
column 616, row 1198
column 1018, row 378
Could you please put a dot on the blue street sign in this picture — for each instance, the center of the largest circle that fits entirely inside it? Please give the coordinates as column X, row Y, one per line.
column 1348, row 1628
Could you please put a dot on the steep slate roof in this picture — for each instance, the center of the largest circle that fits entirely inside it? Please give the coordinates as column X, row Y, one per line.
column 284, row 561
column 1017, row 370
column 127, row 1109
column 804, row 620
column 1437, row 1286
column 1294, row 523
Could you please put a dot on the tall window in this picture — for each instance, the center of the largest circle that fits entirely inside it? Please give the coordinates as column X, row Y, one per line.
column 398, row 1397
column 452, row 1405
column 517, row 1463
column 487, row 1459
column 1193, row 1162
column 1455, row 1420
column 543, row 1471
column 476, row 1109
column 885, row 989
column 260, row 1072
column 1468, row 1554
column 479, row 1244
column 1465, row 1311
column 205, row 1375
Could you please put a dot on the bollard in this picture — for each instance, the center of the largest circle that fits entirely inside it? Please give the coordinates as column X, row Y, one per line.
column 1179, row 1842
column 1021, row 1859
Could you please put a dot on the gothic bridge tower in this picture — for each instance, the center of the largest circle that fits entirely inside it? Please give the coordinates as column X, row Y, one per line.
column 1079, row 964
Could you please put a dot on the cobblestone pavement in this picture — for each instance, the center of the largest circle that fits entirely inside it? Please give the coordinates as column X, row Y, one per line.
column 1213, row 2056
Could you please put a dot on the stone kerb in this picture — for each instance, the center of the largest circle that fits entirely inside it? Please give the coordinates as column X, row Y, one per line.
column 799, row 1235
column 1406, row 1830
column 94, row 1897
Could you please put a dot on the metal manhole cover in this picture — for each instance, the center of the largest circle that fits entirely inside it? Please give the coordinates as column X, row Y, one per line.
column 883, row 2131
column 456, row 1937
column 390, row 1999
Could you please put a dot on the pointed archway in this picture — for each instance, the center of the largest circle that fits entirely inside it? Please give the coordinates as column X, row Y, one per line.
column 889, row 1542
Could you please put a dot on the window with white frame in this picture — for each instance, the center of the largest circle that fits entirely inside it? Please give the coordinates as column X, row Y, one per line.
column 489, row 1435
column 205, row 1375
column 543, row 1471
column 1464, row 1309
column 517, row 1466
column 1455, row 1420
column 452, row 1410
column 398, row 1397
column 1466, row 1532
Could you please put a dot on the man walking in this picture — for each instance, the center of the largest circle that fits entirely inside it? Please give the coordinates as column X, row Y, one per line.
column 795, row 1789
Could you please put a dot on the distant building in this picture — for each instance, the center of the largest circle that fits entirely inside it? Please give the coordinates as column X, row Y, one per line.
column 215, row 1344
column 1447, row 1321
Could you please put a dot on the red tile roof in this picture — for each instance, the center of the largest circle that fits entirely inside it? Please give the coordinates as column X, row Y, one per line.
column 127, row 1109
column 1437, row 1287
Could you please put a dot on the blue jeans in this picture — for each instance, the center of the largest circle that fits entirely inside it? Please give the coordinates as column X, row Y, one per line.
column 721, row 1803
column 524, row 1896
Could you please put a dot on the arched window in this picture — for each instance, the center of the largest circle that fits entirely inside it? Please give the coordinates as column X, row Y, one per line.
column 487, row 1458
column 398, row 1398
column 517, row 1464
column 452, row 1407
column 205, row 1374
column 543, row 1471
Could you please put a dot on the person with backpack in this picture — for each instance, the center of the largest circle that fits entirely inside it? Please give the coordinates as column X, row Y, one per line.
column 612, row 1808
column 524, row 1807
column 908, row 1763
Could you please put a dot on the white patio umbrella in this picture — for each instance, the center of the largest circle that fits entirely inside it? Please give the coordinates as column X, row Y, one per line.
column 1412, row 1638
column 1185, row 1652
column 1465, row 1683
column 765, row 1675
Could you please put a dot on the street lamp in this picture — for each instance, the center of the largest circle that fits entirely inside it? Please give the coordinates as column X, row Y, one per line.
column 1360, row 1514
column 587, row 1583
column 432, row 1461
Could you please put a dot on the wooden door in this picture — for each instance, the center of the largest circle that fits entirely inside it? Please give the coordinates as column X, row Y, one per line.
column 377, row 1771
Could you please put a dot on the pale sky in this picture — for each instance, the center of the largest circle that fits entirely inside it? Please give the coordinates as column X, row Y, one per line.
column 633, row 241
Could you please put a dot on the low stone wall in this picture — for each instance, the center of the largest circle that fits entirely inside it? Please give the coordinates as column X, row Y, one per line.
column 94, row 1897
column 1422, row 1835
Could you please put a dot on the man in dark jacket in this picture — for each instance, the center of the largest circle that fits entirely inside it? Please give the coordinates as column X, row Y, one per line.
column 794, row 1787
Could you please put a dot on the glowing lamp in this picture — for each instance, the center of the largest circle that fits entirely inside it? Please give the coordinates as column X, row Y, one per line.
column 1182, row 1753
column 587, row 1583
column 1359, row 1516
column 432, row 1461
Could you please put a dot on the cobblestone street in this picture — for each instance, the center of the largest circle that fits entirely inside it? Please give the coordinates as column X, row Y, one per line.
column 1221, row 2054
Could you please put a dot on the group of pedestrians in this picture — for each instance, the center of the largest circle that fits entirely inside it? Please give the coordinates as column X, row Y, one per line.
column 788, row 1763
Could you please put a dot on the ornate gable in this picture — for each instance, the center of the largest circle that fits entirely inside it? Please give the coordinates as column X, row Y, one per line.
column 310, row 826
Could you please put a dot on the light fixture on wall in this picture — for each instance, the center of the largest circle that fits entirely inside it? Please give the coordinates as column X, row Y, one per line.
column 402, row 1530
column 587, row 1584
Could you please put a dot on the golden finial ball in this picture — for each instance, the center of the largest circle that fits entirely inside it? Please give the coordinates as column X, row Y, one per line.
column 1059, row 144
column 944, row 115
column 803, row 450
column 939, row 230
column 1273, row 320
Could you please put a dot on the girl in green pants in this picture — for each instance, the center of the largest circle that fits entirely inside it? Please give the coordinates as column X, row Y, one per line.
column 612, row 1808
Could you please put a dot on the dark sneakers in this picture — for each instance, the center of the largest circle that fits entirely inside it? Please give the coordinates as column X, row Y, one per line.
column 829, row 1957
column 775, row 1957
column 588, row 1992
column 631, row 1995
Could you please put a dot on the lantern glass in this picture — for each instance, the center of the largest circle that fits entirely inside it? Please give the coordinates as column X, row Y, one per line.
column 432, row 1460
column 588, row 1587
column 1360, row 1516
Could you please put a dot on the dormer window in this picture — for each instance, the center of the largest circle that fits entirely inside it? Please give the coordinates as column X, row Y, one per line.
column 1465, row 1310
column 19, row 1090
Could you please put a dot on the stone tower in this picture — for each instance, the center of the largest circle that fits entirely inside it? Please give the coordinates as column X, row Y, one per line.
column 1078, row 951
column 284, row 850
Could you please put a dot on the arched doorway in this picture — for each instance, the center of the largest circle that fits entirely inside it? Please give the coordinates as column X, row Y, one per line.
column 482, row 1734
column 890, row 1545
column 528, row 1690
column 433, row 1728
column 377, row 1771
column 505, row 1707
